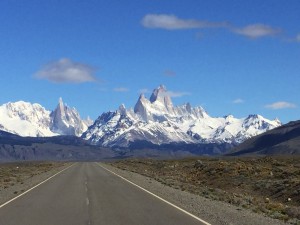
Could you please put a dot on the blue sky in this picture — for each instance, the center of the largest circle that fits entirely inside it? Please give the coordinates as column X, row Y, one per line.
column 231, row 57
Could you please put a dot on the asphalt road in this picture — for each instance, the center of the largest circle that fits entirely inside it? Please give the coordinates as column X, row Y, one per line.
column 87, row 194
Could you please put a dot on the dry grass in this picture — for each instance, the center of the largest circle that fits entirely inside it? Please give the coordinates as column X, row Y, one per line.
column 265, row 185
column 13, row 173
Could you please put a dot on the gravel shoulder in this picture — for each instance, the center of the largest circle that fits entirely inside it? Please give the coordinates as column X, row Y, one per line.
column 15, row 178
column 214, row 212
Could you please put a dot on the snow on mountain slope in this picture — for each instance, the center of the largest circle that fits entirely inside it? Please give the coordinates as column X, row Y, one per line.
column 67, row 121
column 26, row 119
column 157, row 121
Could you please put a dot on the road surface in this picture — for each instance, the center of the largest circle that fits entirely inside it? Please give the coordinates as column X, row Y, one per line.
column 87, row 194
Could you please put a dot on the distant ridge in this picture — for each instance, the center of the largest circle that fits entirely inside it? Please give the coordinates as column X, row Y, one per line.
column 283, row 140
column 72, row 148
column 57, row 148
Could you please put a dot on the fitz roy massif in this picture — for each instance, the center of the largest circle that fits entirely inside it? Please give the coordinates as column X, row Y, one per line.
column 155, row 120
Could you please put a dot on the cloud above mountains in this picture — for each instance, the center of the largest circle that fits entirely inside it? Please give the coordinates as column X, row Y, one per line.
column 256, row 31
column 172, row 22
column 281, row 105
column 67, row 71
column 238, row 101
column 177, row 94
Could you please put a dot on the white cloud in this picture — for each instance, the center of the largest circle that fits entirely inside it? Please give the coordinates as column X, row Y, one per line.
column 281, row 105
column 175, row 94
column 238, row 101
column 256, row 31
column 66, row 71
column 121, row 89
column 172, row 22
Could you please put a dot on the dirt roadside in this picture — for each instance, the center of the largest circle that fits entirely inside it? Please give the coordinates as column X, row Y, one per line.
column 266, row 186
column 17, row 177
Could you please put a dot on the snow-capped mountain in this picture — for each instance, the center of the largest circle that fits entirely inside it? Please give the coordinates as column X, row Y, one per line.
column 67, row 121
column 156, row 120
column 26, row 119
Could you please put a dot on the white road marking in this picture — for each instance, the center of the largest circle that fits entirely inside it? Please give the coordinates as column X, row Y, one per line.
column 34, row 187
column 156, row 196
column 87, row 201
column 86, row 188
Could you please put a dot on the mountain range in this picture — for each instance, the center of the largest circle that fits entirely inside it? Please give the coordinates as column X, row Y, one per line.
column 29, row 131
column 33, row 120
column 283, row 140
column 151, row 123
column 156, row 121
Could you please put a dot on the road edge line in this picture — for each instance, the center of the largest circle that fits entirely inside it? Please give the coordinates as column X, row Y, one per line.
column 156, row 196
column 20, row 195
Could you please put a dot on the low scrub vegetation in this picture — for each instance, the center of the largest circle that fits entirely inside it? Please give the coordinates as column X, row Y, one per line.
column 16, row 173
column 265, row 185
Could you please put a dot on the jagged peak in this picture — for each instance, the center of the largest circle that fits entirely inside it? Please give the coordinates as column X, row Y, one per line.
column 158, row 121
column 158, row 93
column 122, row 109
column 254, row 116
column 142, row 96
column 229, row 116
column 142, row 100
column 122, row 106
column 188, row 107
column 63, row 107
column 60, row 107
column 60, row 101
column 160, row 97
column 257, row 117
